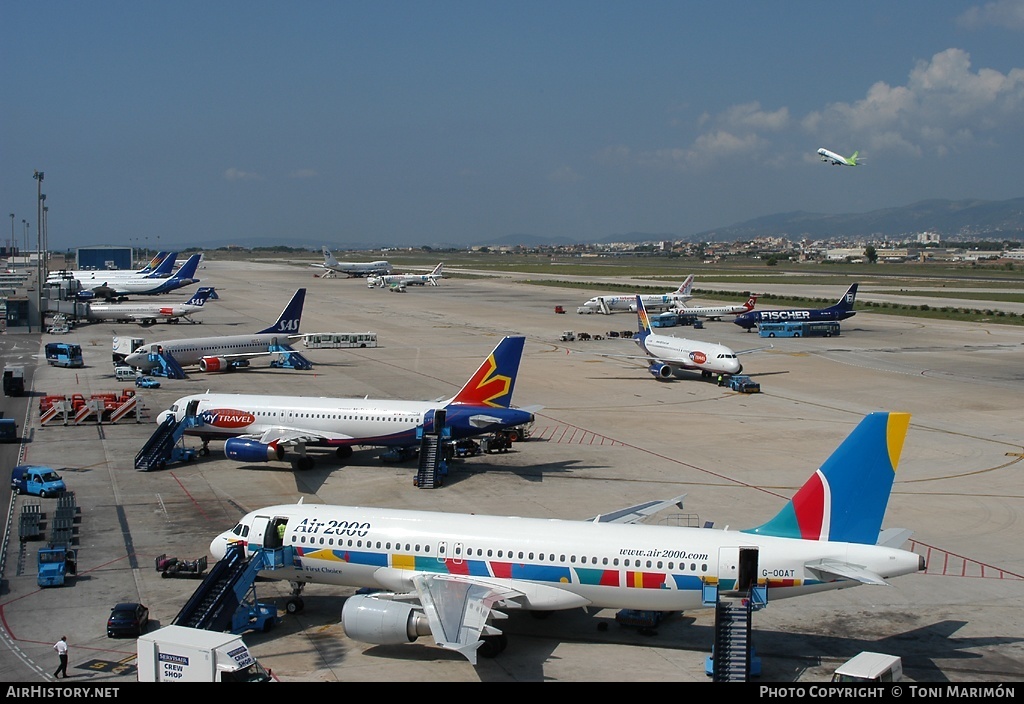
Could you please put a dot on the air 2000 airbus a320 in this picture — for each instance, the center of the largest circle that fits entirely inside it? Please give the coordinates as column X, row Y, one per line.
column 450, row 576
column 258, row 428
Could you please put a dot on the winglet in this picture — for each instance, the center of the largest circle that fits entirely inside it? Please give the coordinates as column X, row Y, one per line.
column 845, row 499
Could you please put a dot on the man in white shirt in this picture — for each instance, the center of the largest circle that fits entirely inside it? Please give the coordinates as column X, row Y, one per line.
column 61, row 647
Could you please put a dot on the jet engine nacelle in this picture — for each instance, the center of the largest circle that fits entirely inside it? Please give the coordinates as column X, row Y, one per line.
column 382, row 622
column 243, row 450
column 213, row 364
column 662, row 371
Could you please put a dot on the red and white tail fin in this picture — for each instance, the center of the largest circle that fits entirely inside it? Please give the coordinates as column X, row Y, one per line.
column 749, row 305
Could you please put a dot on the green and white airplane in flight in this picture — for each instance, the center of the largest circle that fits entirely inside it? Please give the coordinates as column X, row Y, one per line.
column 839, row 159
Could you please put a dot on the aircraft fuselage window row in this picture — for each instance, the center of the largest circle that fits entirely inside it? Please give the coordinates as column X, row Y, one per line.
column 508, row 555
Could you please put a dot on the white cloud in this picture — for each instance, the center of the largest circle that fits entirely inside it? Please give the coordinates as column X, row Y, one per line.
column 1008, row 14
column 563, row 174
column 303, row 173
column 234, row 174
column 942, row 106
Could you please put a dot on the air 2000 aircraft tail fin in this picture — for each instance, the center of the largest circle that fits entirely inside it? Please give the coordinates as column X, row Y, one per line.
column 845, row 499
column 494, row 381
column 643, row 321
column 288, row 323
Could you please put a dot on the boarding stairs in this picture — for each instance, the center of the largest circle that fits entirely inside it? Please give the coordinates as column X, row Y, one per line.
column 433, row 465
column 166, row 366
column 226, row 599
column 289, row 358
column 733, row 657
column 160, row 448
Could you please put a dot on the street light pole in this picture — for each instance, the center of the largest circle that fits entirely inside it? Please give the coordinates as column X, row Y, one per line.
column 13, row 245
column 25, row 223
column 40, row 198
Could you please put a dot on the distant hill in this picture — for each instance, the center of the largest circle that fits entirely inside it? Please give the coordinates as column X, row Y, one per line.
column 974, row 219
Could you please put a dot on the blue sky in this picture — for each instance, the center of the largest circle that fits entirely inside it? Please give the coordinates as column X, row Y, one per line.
column 399, row 123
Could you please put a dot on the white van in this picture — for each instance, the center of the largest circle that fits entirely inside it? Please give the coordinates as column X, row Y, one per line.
column 870, row 667
column 123, row 373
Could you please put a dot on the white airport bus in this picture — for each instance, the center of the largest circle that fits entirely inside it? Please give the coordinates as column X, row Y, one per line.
column 340, row 339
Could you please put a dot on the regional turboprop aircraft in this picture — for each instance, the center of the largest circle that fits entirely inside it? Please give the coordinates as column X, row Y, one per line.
column 450, row 576
column 842, row 310
column 627, row 303
column 352, row 269
column 838, row 159
column 716, row 312
column 258, row 428
column 223, row 353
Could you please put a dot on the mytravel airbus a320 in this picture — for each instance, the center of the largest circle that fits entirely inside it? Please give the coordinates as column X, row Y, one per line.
column 451, row 577
column 259, row 428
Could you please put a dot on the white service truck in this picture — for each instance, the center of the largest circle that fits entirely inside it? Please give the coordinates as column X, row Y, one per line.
column 179, row 654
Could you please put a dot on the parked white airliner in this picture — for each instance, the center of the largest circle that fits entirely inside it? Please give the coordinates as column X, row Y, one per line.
column 222, row 353
column 451, row 576
column 385, row 280
column 716, row 312
column 627, row 303
column 352, row 269
column 149, row 313
column 159, row 267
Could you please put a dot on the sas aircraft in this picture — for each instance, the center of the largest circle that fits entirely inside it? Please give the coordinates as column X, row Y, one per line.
column 831, row 157
column 149, row 313
column 450, row 577
column 716, row 312
column 226, row 352
column 842, row 310
column 627, row 303
column 385, row 280
column 258, row 428
column 352, row 269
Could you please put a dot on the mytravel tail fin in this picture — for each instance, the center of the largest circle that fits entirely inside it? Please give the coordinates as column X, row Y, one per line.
column 845, row 500
column 494, row 381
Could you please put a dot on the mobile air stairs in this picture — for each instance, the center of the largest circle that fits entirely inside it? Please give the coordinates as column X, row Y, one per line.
column 433, row 466
column 166, row 366
column 733, row 657
column 166, row 444
column 226, row 600
column 289, row 358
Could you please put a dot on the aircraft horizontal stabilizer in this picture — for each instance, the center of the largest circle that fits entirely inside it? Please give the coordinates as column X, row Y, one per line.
column 634, row 514
column 828, row 570
column 894, row 537
column 482, row 421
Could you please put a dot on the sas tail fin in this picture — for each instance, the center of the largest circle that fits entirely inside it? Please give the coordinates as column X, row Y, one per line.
column 845, row 500
column 494, row 381
column 288, row 323
column 200, row 296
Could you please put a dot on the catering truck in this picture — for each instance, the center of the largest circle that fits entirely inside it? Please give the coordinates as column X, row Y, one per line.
column 180, row 654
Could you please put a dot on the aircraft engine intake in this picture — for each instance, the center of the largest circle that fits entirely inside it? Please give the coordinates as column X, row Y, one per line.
column 662, row 371
column 213, row 364
column 243, row 450
column 381, row 622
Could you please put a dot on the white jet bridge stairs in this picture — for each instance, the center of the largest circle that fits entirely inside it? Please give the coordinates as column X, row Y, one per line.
column 226, row 600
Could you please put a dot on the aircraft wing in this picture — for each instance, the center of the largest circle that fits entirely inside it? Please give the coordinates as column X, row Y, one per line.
column 754, row 349
column 634, row 514
column 457, row 609
column 828, row 570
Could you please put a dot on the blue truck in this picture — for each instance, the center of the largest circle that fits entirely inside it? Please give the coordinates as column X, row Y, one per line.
column 8, row 429
column 36, row 480
column 54, row 564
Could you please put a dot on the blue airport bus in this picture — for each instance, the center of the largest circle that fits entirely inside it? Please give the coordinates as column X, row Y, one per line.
column 824, row 328
column 63, row 354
